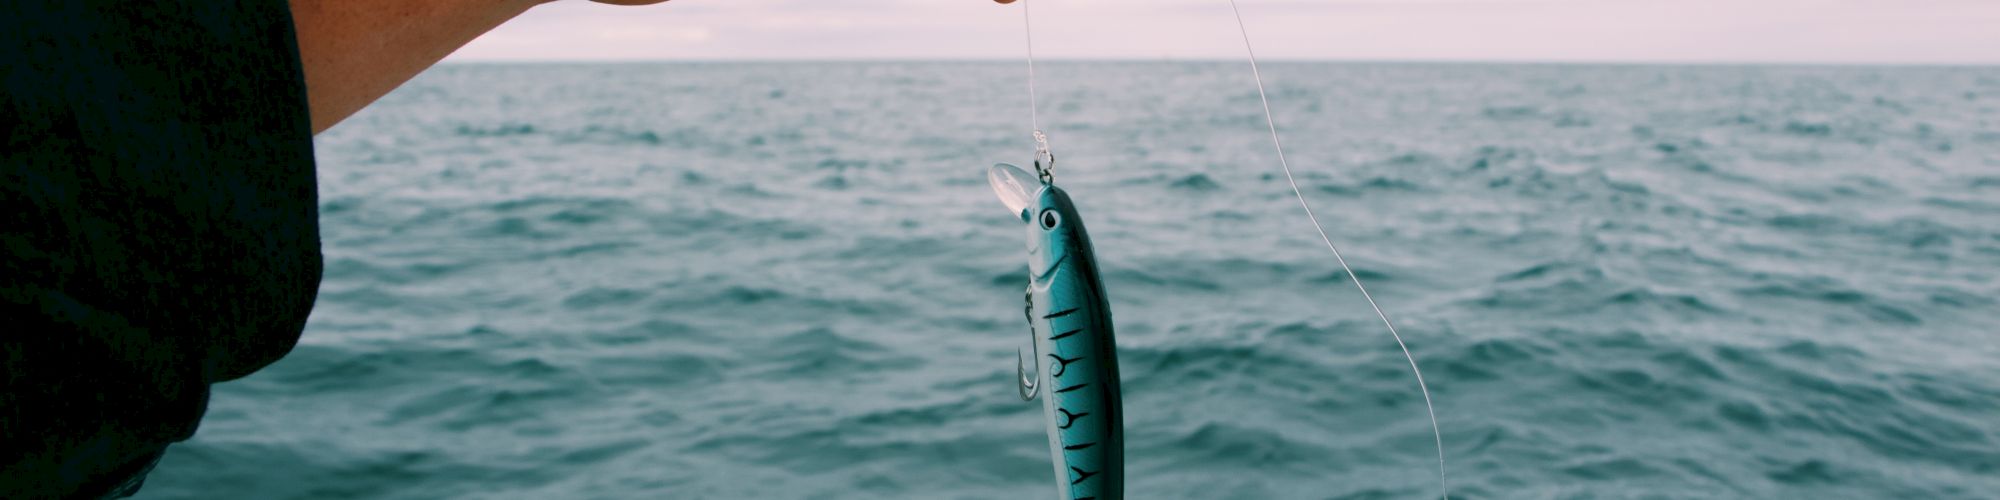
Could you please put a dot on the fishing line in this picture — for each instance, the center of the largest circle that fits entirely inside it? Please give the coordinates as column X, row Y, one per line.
column 1034, row 112
column 1045, row 161
column 1437, row 434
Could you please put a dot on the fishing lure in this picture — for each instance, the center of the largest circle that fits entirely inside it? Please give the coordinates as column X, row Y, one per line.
column 1070, row 335
column 1069, row 324
column 1070, row 319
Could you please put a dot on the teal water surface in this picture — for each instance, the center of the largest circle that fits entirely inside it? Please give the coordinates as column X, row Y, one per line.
column 791, row 281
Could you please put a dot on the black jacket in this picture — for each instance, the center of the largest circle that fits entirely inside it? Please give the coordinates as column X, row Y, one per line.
column 158, row 225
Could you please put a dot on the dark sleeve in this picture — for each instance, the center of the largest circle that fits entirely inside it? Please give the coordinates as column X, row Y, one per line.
column 160, row 224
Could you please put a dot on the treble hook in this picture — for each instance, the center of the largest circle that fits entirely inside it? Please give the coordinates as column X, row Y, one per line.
column 1029, row 385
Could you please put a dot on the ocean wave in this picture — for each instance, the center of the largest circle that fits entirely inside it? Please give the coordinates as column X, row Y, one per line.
column 791, row 281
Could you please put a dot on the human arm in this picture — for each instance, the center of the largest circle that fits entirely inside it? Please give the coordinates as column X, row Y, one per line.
column 356, row 51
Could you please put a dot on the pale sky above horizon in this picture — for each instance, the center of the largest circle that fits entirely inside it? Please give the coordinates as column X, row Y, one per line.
column 1697, row 31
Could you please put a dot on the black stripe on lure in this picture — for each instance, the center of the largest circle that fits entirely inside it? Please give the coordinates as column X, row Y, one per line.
column 1074, row 357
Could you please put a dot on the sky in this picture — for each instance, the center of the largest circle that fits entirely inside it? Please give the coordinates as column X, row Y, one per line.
column 1638, row 31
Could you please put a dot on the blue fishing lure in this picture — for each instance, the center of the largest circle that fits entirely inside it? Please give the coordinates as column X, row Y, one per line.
column 1074, row 357
column 1070, row 319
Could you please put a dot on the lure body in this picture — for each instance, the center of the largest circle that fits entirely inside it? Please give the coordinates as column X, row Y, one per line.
column 1075, row 357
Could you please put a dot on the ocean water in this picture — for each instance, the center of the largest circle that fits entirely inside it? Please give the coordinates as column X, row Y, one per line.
column 791, row 281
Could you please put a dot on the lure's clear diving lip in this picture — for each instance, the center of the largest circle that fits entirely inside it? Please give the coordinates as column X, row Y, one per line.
column 1008, row 183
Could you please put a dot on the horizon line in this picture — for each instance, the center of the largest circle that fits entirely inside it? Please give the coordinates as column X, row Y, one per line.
column 999, row 60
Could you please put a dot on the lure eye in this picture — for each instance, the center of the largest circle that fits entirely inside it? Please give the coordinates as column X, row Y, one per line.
column 1049, row 219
